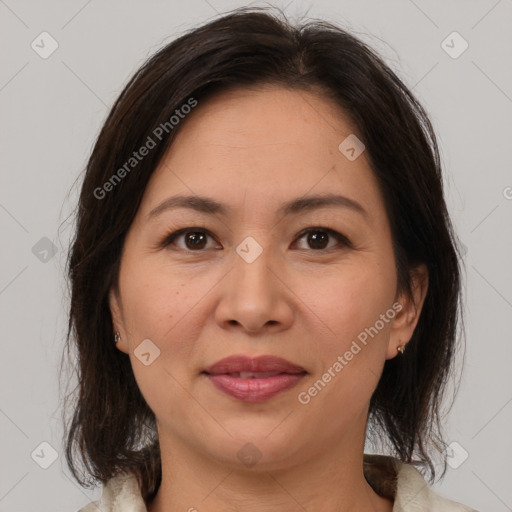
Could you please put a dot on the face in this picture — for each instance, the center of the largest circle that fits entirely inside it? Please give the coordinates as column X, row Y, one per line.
column 311, row 284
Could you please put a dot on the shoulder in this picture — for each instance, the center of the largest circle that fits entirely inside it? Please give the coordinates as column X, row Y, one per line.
column 413, row 493
column 406, row 486
column 120, row 494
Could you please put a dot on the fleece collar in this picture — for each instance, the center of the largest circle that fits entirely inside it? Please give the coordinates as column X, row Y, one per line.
column 389, row 477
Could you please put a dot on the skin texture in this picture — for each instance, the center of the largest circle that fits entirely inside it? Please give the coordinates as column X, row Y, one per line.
column 254, row 149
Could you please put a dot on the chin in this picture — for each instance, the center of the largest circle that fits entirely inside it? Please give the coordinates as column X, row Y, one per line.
column 256, row 448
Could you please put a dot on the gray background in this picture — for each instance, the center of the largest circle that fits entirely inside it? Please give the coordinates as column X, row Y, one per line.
column 52, row 109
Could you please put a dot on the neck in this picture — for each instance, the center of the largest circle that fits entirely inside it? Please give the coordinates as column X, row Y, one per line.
column 193, row 481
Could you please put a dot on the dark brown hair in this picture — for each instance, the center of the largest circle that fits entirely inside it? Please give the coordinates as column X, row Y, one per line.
column 112, row 429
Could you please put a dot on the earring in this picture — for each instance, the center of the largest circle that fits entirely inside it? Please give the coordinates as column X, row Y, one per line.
column 117, row 337
column 401, row 348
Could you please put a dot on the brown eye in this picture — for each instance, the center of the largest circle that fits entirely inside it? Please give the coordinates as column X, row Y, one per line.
column 193, row 239
column 318, row 238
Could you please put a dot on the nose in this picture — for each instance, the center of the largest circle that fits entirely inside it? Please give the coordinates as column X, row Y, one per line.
column 254, row 296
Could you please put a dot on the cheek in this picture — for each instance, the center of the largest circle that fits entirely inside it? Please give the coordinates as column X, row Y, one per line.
column 349, row 300
column 159, row 306
column 164, row 307
column 155, row 298
column 352, row 353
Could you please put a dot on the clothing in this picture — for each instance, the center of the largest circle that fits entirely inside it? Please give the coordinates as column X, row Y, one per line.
column 390, row 478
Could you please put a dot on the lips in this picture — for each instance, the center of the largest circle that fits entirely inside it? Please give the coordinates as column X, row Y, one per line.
column 254, row 379
column 259, row 367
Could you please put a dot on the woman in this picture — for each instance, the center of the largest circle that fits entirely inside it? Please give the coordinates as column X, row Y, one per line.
column 264, row 274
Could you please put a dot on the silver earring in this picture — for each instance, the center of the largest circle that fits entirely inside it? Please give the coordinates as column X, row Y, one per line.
column 117, row 337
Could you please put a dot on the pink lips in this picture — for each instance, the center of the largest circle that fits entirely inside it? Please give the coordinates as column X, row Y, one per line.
column 254, row 379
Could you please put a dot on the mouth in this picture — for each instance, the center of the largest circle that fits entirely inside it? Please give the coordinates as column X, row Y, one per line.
column 254, row 387
column 257, row 367
column 254, row 379
column 253, row 375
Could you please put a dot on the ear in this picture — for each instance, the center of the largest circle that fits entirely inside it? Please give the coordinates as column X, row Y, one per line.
column 117, row 318
column 408, row 313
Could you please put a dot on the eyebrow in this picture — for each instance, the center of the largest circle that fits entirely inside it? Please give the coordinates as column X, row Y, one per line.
column 211, row 206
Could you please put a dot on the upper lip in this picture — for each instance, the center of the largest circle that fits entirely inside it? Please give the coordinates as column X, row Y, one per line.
column 236, row 364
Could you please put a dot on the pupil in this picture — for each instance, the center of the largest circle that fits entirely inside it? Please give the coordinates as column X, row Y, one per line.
column 195, row 239
column 314, row 238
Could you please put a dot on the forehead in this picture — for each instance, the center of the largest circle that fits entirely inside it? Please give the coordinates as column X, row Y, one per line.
column 271, row 142
column 268, row 114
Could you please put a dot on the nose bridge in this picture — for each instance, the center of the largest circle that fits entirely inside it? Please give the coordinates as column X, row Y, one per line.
column 255, row 297
column 251, row 297
column 252, row 260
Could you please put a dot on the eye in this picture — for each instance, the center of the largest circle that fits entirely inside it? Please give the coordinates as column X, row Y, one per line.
column 318, row 238
column 194, row 239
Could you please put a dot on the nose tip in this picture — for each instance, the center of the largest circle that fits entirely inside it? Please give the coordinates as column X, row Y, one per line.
column 253, row 298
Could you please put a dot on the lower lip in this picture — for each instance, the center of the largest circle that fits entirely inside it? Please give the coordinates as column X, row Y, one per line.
column 255, row 390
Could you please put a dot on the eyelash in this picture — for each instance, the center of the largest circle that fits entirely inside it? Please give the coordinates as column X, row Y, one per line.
column 342, row 239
